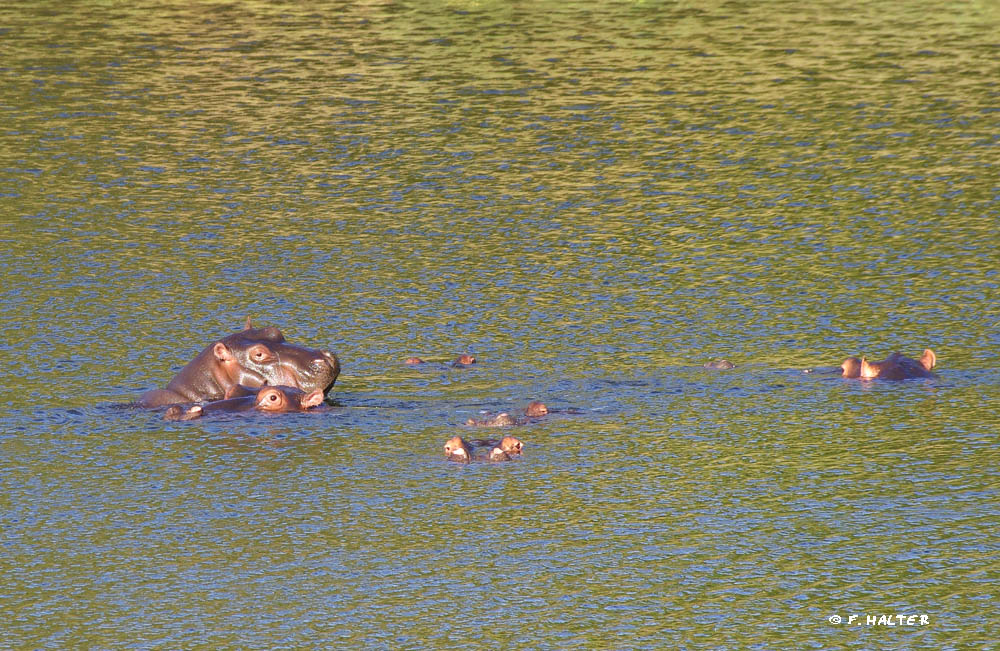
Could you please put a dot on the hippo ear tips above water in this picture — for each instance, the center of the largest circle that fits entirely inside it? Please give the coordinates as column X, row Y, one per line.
column 928, row 359
column 894, row 367
column 249, row 324
column 720, row 364
column 461, row 361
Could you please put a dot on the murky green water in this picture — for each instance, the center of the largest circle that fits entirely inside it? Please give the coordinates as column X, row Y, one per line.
column 594, row 199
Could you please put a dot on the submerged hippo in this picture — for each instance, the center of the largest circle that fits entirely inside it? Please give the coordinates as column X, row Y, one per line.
column 894, row 367
column 503, row 419
column 534, row 410
column 273, row 399
column 502, row 450
column 720, row 364
column 251, row 358
column 461, row 361
column 458, row 449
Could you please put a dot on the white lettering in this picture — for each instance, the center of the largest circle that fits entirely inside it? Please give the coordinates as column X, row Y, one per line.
column 891, row 620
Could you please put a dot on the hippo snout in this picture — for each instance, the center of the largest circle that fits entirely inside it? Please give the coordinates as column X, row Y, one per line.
column 331, row 359
column 309, row 370
column 327, row 366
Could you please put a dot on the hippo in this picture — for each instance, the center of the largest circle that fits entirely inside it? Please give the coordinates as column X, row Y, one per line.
column 251, row 358
column 462, row 361
column 458, row 449
column 894, row 367
column 719, row 364
column 534, row 410
column 274, row 399
column 508, row 445
column 503, row 419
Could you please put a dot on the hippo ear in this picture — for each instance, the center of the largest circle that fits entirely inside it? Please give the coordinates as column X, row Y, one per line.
column 222, row 352
column 928, row 359
column 312, row 399
column 248, row 326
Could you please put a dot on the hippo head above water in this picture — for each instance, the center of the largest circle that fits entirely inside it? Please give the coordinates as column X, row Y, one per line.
column 274, row 399
column 458, row 449
column 508, row 449
column 283, row 399
column 251, row 358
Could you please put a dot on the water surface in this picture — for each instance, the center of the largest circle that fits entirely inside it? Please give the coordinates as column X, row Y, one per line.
column 594, row 199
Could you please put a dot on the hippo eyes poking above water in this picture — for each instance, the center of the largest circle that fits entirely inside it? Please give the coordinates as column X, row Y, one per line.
column 251, row 358
column 894, row 367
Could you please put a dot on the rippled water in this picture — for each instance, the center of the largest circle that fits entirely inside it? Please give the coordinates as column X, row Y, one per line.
column 594, row 199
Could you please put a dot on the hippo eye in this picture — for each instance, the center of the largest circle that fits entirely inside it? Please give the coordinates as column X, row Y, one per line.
column 273, row 397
